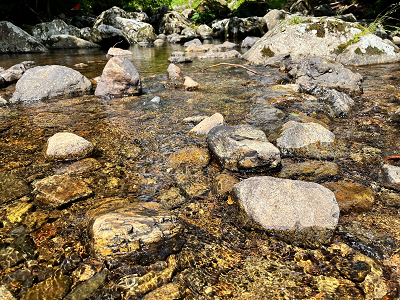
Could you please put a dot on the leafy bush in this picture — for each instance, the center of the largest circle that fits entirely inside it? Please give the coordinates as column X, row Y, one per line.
column 203, row 17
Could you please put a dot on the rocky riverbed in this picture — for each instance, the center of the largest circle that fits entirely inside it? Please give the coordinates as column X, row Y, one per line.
column 126, row 198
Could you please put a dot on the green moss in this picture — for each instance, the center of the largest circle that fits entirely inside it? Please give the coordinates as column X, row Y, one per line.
column 266, row 51
column 319, row 27
column 369, row 51
column 342, row 47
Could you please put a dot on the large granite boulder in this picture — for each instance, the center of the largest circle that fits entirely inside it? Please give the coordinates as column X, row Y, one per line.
column 324, row 73
column 173, row 22
column 14, row 39
column 302, row 213
column 242, row 147
column 218, row 8
column 302, row 37
column 64, row 41
column 370, row 49
column 46, row 82
column 44, row 31
column 274, row 17
column 110, row 36
column 134, row 30
column 140, row 233
column 239, row 27
column 305, row 139
column 205, row 31
column 119, row 78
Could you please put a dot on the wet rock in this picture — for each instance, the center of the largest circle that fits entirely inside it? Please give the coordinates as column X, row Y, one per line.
column 205, row 31
column 354, row 270
column 311, row 37
column 194, row 119
column 10, row 257
column 340, row 104
column 171, row 198
column 45, row 31
column 351, row 196
column 222, row 185
column 190, row 85
column 13, row 74
column 158, row 42
column 46, row 82
column 67, row 145
column 337, row 287
column 391, row 174
column 222, row 55
column 370, row 49
column 2, row 100
column 319, row 71
column 179, row 59
column 36, row 220
column 11, row 187
column 266, row 117
column 110, row 35
column 170, row 291
column 249, row 41
column 288, row 88
column 118, row 52
column 79, row 167
column 192, row 186
column 59, row 190
column 303, row 213
column 242, row 147
column 193, row 159
column 274, row 17
column 64, row 41
column 305, row 139
column 54, row 287
column 309, row 170
column 207, row 124
column 86, row 289
column 194, row 41
column 141, row 233
column 16, row 214
column 5, row 294
column 14, row 39
column 119, row 78
column 367, row 240
column 242, row 27
column 396, row 116
column 389, row 197
column 174, row 73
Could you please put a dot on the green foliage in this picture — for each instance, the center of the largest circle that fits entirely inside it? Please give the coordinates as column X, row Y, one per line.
column 296, row 20
column 203, row 17
column 276, row 4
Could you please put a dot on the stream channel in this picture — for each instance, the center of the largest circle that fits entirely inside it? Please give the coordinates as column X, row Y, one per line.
column 46, row 250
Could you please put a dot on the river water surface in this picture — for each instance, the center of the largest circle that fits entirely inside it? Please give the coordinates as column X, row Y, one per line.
column 134, row 139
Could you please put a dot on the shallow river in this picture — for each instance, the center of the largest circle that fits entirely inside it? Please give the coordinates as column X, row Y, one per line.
column 134, row 139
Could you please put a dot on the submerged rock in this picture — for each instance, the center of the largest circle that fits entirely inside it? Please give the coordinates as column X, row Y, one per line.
column 309, row 170
column 242, row 147
column 303, row 213
column 59, row 190
column 87, row 288
column 12, row 187
column 119, row 78
column 14, row 39
column 141, row 233
column 67, row 145
column 52, row 288
column 46, row 82
column 305, row 139
column 64, row 41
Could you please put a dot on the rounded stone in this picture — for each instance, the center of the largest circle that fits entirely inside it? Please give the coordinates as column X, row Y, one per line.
column 66, row 145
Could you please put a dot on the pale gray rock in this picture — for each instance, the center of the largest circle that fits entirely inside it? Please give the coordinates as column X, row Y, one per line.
column 91, row 34
column 14, row 40
column 207, row 124
column 242, row 147
column 5, row 294
column 174, row 72
column 14, row 73
column 312, row 37
column 173, row 22
column 2, row 101
column 67, row 145
column 118, row 52
column 239, row 27
column 205, row 31
column 221, row 55
column 189, row 33
column 64, row 41
column 158, row 42
column 141, row 233
column 108, row 17
column 46, row 82
column 44, row 31
column 391, row 174
column 119, row 78
column 396, row 116
column 305, row 139
column 194, row 41
column 265, row 117
column 302, row 213
column 340, row 104
column 370, row 49
column 188, row 13
column 249, row 41
column 190, row 85
column 111, row 36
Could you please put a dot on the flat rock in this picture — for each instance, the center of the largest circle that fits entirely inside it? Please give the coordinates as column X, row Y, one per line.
column 118, row 52
column 64, row 41
column 309, row 170
column 242, row 147
column 351, row 196
column 119, row 78
column 140, row 233
column 59, row 190
column 190, row 85
column 303, row 213
column 222, row 185
column 305, row 139
column 186, row 159
column 52, row 288
column 46, row 82
column 207, row 124
column 79, row 167
column 67, row 145
column 12, row 187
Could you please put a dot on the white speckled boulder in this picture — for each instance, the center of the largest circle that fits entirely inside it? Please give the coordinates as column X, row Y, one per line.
column 66, row 145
